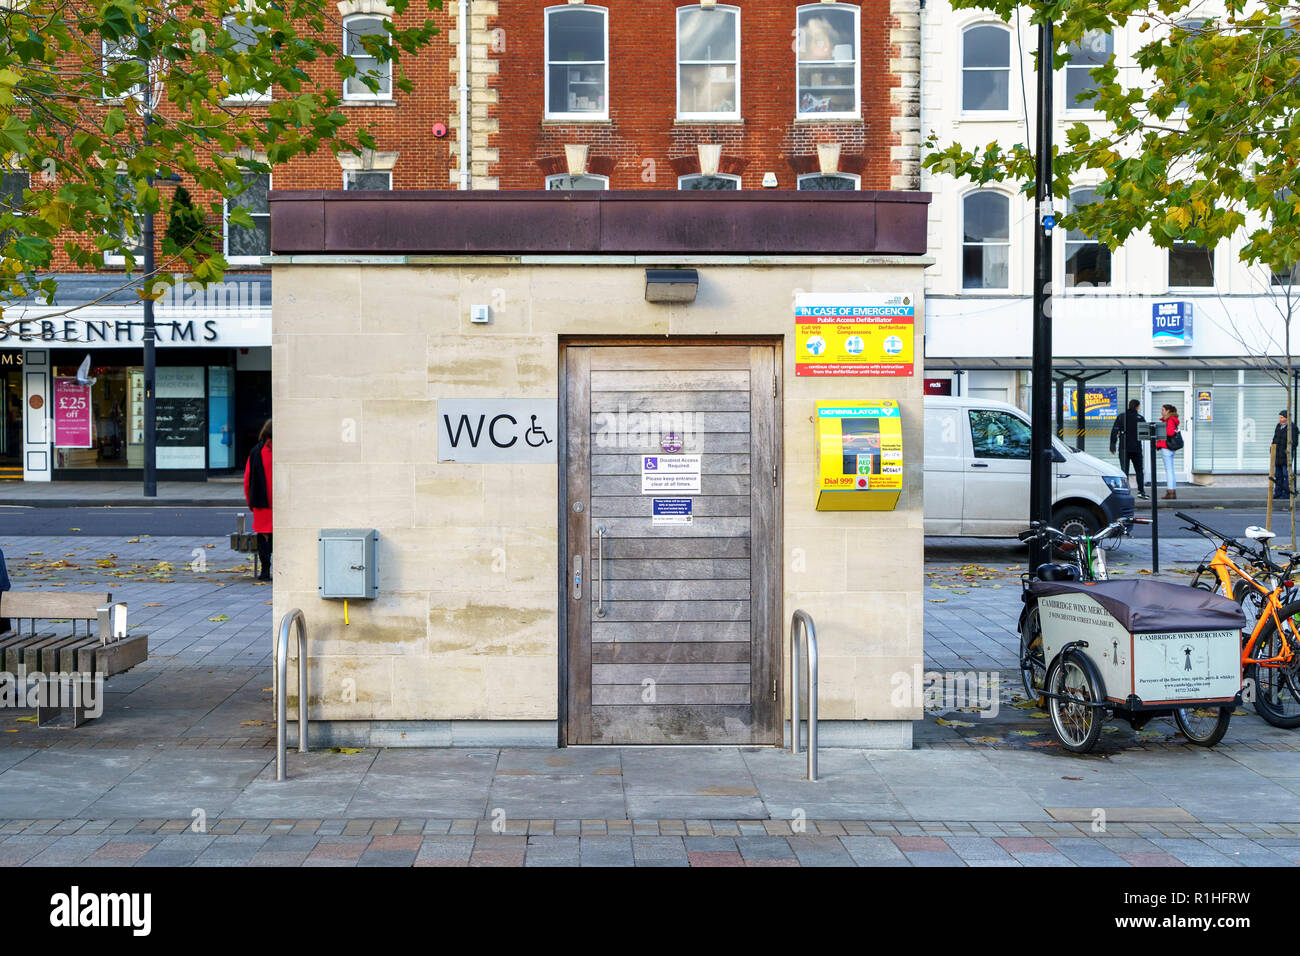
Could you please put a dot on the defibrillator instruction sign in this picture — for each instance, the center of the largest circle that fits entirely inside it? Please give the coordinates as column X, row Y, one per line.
column 845, row 334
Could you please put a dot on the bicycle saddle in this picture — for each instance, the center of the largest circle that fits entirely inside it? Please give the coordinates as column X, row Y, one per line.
column 1256, row 533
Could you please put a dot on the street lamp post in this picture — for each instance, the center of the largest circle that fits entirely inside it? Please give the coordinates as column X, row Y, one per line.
column 150, row 330
column 150, row 362
column 1040, row 470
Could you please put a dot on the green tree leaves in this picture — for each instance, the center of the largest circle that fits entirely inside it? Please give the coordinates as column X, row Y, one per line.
column 77, row 80
column 1197, row 144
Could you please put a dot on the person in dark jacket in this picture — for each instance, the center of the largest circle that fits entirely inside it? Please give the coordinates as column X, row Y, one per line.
column 4, row 586
column 1284, row 437
column 257, row 492
column 1124, row 442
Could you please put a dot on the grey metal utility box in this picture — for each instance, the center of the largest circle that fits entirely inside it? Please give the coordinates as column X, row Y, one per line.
column 348, row 564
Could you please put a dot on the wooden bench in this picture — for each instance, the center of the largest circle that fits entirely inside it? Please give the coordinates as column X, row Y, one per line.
column 103, row 647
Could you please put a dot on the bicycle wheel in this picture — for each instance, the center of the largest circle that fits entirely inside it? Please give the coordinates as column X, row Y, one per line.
column 1203, row 726
column 1277, row 688
column 1076, row 686
column 1252, row 603
column 1033, row 670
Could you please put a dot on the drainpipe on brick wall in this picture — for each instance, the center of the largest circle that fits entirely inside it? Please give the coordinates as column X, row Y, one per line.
column 464, row 94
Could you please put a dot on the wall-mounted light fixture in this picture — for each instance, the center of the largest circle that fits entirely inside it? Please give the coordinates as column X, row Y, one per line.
column 671, row 285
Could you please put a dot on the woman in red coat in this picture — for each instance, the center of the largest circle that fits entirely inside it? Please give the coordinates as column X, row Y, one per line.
column 257, row 492
column 1168, row 415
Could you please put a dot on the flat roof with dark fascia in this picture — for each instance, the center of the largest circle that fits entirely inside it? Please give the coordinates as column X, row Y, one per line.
column 626, row 222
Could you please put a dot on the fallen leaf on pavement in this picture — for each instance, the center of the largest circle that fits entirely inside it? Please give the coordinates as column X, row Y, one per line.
column 952, row 723
column 1025, row 733
column 26, row 720
column 347, row 750
column 219, row 618
column 252, row 723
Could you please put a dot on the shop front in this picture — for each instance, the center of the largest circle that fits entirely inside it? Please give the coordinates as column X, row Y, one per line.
column 74, row 390
column 589, row 455
column 1221, row 373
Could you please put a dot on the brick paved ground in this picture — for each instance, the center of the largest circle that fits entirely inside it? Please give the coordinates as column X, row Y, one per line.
column 194, row 597
column 455, row 843
column 192, row 732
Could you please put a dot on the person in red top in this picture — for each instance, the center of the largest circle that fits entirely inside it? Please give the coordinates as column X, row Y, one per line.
column 257, row 492
column 1168, row 415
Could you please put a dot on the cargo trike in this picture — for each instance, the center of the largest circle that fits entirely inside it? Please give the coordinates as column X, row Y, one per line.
column 1138, row 650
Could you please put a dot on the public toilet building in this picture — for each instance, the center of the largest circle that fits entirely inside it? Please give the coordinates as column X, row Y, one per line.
column 607, row 443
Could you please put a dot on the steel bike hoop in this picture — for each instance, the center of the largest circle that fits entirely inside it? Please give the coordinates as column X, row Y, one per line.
column 802, row 622
column 295, row 620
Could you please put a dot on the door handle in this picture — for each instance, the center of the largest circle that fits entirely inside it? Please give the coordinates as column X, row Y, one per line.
column 979, row 464
column 600, row 571
column 577, row 577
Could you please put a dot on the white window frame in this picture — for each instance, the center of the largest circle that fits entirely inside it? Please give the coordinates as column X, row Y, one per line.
column 730, row 176
column 1066, row 242
column 106, row 58
column 1188, row 24
column 9, row 171
column 252, row 96
column 962, row 68
column 347, row 173
column 1069, row 105
column 589, row 116
column 983, row 244
column 733, row 115
column 366, row 96
column 856, row 112
column 225, row 230
column 852, row 177
column 1213, row 256
column 552, row 178
column 119, row 261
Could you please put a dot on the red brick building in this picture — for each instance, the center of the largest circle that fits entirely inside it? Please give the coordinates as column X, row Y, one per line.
column 659, row 93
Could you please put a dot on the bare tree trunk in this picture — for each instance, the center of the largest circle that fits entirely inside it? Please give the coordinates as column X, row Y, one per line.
column 1272, row 489
column 1291, row 418
column 1290, row 411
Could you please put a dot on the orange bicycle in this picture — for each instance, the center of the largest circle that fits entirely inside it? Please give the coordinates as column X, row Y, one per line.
column 1270, row 653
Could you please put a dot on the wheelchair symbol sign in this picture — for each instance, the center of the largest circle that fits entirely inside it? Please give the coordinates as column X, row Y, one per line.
column 505, row 430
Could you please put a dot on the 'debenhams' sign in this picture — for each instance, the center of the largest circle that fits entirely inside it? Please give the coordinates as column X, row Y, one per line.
column 109, row 332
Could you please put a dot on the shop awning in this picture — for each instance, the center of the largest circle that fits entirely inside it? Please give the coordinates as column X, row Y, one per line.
column 1064, row 364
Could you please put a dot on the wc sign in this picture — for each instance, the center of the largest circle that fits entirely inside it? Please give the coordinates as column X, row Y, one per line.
column 498, row 430
column 1171, row 323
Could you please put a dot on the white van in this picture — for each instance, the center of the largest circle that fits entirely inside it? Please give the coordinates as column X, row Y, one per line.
column 977, row 474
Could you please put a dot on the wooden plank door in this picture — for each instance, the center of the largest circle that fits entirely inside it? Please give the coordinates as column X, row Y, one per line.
column 672, row 624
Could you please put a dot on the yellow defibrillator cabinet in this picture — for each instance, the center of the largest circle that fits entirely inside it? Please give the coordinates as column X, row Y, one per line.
column 859, row 456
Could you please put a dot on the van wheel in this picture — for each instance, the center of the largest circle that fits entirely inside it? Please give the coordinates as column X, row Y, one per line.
column 1074, row 521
